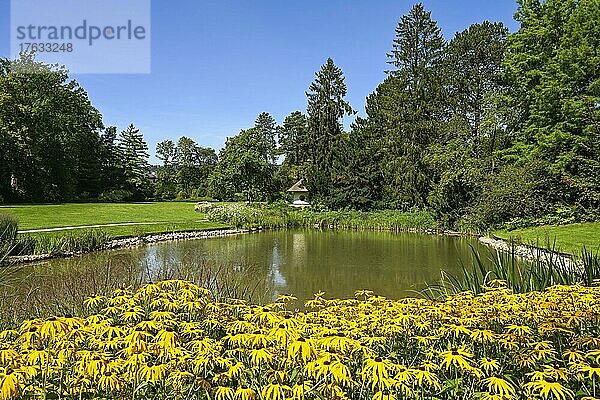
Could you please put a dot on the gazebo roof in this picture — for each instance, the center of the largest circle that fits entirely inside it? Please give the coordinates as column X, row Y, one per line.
column 298, row 187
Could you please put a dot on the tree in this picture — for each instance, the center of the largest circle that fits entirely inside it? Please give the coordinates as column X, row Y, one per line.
column 293, row 146
column 266, row 125
column 410, row 106
column 165, row 152
column 357, row 176
column 166, row 185
column 243, row 171
column 49, row 134
column 326, row 107
column 134, row 151
column 552, row 68
column 474, row 71
column 194, row 164
column 464, row 154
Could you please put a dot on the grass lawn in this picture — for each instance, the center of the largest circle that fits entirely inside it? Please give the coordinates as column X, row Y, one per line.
column 566, row 238
column 172, row 216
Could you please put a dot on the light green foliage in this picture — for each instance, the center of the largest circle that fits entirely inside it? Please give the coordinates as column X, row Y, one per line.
column 246, row 168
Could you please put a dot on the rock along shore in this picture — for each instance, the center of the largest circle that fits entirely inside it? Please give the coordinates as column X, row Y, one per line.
column 127, row 242
column 530, row 253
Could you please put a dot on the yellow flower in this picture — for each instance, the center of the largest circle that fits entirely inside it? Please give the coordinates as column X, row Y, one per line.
column 426, row 378
column 224, row 393
column 8, row 357
column 109, row 382
column 457, row 357
column 300, row 348
column 376, row 371
column 53, row 327
column 235, row 370
column 10, row 386
column 275, row 391
column 549, row 390
column 166, row 338
column 299, row 391
column 489, row 365
column 153, row 373
column 483, row 336
column 573, row 355
column 519, row 330
column 260, row 356
column 500, row 386
column 591, row 371
column 245, row 393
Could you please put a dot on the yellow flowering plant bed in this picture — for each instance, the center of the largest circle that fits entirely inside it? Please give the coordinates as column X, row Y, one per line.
column 172, row 340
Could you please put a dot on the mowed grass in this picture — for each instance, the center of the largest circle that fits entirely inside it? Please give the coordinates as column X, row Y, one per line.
column 565, row 238
column 164, row 216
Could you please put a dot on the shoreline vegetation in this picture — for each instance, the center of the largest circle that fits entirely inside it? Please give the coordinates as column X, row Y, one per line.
column 216, row 217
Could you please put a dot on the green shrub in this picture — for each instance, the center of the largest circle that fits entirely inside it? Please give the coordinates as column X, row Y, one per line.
column 115, row 196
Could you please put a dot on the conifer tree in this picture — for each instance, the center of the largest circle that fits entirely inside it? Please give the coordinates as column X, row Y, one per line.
column 326, row 107
column 134, row 151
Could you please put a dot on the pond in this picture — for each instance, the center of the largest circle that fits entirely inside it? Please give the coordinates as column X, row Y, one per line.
column 256, row 266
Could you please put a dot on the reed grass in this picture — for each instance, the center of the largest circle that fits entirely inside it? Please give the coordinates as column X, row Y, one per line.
column 492, row 267
column 281, row 216
column 75, row 242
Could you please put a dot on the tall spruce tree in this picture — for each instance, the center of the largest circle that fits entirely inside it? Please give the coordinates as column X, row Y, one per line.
column 266, row 126
column 326, row 107
column 293, row 146
column 134, row 151
column 410, row 105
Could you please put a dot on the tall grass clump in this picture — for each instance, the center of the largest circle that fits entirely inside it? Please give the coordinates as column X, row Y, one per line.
column 73, row 242
column 277, row 216
column 543, row 270
column 9, row 226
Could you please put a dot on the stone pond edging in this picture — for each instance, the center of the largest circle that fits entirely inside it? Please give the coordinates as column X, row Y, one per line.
column 522, row 251
column 128, row 242
column 530, row 253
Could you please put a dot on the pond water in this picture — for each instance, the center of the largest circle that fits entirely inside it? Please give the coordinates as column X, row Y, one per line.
column 257, row 266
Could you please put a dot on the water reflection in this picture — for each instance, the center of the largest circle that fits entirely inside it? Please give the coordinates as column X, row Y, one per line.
column 256, row 266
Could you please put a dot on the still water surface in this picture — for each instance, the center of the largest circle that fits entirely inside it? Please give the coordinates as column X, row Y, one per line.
column 262, row 265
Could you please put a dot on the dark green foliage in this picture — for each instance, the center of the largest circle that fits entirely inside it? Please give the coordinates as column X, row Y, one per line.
column 410, row 105
column 53, row 145
column 293, row 136
column 49, row 134
column 357, row 182
column 326, row 107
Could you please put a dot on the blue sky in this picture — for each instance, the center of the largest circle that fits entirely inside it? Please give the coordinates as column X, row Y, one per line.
column 217, row 64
